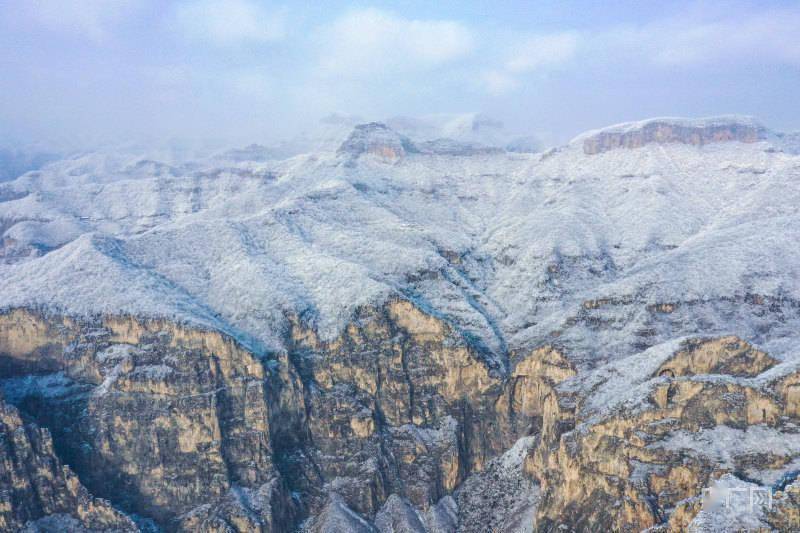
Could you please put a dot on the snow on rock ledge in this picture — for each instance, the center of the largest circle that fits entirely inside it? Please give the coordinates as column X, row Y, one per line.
column 696, row 132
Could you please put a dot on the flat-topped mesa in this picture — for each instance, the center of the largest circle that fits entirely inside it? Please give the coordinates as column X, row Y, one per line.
column 376, row 139
column 695, row 132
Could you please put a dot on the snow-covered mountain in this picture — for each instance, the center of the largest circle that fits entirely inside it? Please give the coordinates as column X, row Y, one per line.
column 453, row 132
column 619, row 248
column 505, row 245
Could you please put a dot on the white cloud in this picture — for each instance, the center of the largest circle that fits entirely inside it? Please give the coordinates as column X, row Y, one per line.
column 765, row 37
column 543, row 51
column 774, row 36
column 528, row 55
column 230, row 22
column 252, row 83
column 371, row 40
column 704, row 37
column 499, row 83
column 94, row 20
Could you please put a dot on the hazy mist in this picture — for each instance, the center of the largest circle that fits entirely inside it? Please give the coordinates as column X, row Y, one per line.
column 90, row 71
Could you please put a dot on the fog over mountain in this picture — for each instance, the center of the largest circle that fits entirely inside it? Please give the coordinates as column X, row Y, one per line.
column 84, row 73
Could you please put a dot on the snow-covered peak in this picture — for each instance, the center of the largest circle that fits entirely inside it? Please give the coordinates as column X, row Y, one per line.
column 703, row 122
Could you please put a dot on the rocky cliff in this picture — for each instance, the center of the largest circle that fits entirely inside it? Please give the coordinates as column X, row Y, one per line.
column 397, row 423
column 39, row 491
column 188, row 429
column 159, row 419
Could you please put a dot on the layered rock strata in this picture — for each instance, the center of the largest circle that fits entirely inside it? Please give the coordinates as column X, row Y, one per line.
column 399, row 423
column 672, row 131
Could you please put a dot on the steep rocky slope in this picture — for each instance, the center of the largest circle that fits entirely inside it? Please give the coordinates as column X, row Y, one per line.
column 407, row 335
column 39, row 491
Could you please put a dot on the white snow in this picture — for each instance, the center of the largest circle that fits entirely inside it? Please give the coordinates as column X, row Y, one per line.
column 624, row 382
column 152, row 372
column 514, row 458
column 235, row 246
column 706, row 122
column 723, row 443
column 116, row 352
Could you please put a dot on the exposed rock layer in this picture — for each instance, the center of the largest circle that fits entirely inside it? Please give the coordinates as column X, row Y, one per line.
column 399, row 423
column 160, row 419
column 35, row 486
column 616, row 468
column 666, row 131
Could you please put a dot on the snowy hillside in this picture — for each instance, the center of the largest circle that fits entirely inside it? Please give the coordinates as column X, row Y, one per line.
column 507, row 246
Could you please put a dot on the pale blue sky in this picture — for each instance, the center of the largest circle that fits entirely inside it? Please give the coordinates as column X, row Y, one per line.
column 253, row 70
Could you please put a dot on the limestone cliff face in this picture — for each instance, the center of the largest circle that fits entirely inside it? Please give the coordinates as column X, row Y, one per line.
column 626, row 470
column 399, row 423
column 401, row 404
column 168, row 422
column 666, row 131
column 187, row 428
column 36, row 488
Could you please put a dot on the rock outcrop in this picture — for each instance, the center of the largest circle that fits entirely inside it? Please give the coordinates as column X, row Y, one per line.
column 665, row 131
column 419, row 407
column 645, row 462
column 38, row 491
column 378, row 140
column 167, row 422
